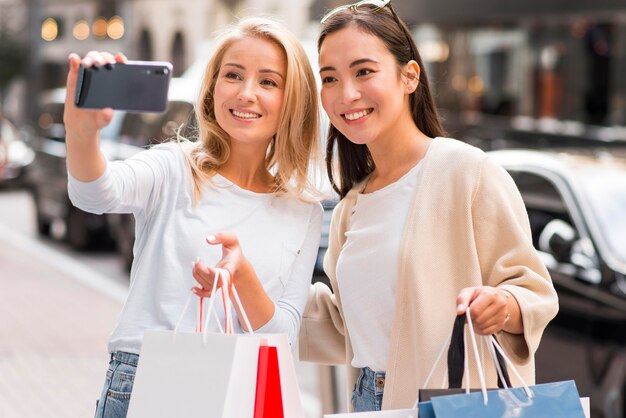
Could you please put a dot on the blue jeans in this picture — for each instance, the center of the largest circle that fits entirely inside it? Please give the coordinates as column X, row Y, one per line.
column 118, row 385
column 368, row 391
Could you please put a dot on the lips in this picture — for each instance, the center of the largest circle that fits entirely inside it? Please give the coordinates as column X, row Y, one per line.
column 352, row 116
column 245, row 115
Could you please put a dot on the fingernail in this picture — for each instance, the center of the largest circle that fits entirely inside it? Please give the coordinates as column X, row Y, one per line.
column 210, row 238
column 460, row 307
column 194, row 290
column 193, row 264
column 197, row 259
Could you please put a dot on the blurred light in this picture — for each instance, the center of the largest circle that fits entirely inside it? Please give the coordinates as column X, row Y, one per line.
column 81, row 30
column 459, row 82
column 115, row 28
column 476, row 85
column 49, row 29
column 434, row 50
column 99, row 27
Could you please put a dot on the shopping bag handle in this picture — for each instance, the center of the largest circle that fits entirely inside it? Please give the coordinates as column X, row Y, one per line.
column 457, row 358
column 224, row 275
column 493, row 342
column 456, row 345
column 227, row 284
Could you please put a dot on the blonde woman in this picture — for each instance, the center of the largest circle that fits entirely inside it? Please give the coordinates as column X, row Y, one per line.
column 236, row 198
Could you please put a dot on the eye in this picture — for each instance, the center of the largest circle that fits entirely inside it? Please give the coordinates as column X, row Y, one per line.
column 232, row 75
column 269, row 82
column 363, row 72
column 328, row 79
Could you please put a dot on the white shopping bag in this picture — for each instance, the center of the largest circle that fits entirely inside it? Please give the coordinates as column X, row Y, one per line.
column 586, row 407
column 178, row 375
column 208, row 375
column 289, row 388
column 393, row 413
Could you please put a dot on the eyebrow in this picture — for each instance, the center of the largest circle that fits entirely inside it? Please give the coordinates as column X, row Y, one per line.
column 263, row 70
column 353, row 64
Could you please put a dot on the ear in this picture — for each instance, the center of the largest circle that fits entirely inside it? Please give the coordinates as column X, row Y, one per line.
column 411, row 76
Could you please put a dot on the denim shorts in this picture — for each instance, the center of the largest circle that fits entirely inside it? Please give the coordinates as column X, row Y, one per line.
column 368, row 391
column 118, row 385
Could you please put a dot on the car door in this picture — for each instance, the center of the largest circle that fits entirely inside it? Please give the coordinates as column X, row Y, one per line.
column 578, row 344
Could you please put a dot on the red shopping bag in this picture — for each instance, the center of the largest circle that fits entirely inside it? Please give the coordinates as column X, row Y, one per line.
column 269, row 401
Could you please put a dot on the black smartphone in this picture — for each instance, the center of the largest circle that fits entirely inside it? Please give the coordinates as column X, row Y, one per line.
column 136, row 86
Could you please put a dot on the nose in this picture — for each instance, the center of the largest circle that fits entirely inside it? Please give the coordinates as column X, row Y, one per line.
column 349, row 92
column 247, row 92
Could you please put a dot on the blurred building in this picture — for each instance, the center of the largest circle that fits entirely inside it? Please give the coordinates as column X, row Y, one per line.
column 167, row 30
column 499, row 68
column 12, row 16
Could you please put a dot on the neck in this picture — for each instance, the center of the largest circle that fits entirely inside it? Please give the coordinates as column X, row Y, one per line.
column 396, row 153
column 404, row 149
column 246, row 167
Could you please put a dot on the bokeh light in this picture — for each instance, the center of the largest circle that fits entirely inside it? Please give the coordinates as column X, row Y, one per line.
column 49, row 29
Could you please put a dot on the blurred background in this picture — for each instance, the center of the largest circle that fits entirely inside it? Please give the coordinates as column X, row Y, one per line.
column 539, row 84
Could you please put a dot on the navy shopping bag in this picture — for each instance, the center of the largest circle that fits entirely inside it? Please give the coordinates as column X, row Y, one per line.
column 549, row 400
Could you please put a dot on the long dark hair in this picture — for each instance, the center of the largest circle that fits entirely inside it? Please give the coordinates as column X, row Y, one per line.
column 355, row 160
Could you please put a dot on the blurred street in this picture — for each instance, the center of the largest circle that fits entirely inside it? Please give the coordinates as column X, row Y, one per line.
column 58, row 308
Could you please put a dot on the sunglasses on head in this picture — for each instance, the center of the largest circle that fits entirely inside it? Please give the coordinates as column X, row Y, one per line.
column 371, row 6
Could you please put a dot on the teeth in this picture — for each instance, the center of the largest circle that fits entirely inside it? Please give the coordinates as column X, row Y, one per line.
column 245, row 115
column 357, row 115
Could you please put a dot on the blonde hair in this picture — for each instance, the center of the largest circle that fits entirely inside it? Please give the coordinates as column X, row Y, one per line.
column 295, row 147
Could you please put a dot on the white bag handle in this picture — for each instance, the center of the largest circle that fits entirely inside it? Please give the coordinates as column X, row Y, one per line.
column 492, row 345
column 225, row 277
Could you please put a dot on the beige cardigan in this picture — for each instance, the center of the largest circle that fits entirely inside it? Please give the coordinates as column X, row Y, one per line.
column 467, row 227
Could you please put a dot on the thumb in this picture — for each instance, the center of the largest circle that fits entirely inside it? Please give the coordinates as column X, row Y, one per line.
column 464, row 299
column 227, row 239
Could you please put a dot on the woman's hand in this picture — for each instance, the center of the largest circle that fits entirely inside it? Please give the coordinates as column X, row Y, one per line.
column 86, row 122
column 84, row 158
column 258, row 306
column 492, row 309
column 232, row 260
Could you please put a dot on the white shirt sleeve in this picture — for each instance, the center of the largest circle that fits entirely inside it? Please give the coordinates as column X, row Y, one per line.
column 132, row 185
column 290, row 306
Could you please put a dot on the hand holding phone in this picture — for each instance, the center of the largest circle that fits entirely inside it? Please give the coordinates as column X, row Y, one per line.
column 134, row 86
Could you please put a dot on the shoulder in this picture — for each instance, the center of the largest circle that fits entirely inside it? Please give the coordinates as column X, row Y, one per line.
column 453, row 149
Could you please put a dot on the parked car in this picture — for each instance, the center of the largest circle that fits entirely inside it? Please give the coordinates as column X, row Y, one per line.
column 576, row 203
column 127, row 134
column 47, row 179
column 15, row 155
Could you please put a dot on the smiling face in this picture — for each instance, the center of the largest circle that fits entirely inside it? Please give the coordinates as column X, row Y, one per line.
column 249, row 90
column 363, row 91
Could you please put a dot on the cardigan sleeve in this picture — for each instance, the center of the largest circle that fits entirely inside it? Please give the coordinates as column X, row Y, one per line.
column 508, row 259
column 322, row 336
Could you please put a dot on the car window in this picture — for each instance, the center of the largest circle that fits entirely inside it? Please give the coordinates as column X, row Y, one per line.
column 543, row 201
column 606, row 192
column 142, row 129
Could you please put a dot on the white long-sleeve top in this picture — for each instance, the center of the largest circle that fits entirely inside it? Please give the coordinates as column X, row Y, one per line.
column 278, row 234
column 365, row 268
